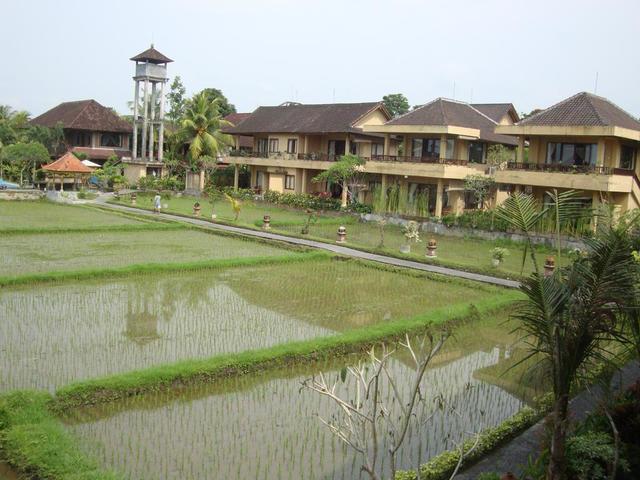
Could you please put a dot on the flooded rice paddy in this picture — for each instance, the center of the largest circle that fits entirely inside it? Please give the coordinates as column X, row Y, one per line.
column 23, row 254
column 55, row 334
column 266, row 426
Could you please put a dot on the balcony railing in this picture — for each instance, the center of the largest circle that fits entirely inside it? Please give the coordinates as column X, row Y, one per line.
column 412, row 159
column 561, row 168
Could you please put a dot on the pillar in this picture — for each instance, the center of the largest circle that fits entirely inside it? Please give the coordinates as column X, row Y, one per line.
column 303, row 186
column 443, row 155
column 383, row 187
column 152, row 115
column 347, row 144
column 520, row 151
column 439, row 194
column 201, row 181
column 136, row 94
column 456, row 198
column 161, row 127
column 145, row 106
column 600, row 156
column 236, row 176
column 407, row 146
column 595, row 203
column 387, row 144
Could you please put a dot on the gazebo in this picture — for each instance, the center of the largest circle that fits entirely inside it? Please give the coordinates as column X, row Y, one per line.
column 65, row 166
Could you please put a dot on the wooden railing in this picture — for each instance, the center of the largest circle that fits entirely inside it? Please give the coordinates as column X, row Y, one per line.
column 561, row 168
column 412, row 159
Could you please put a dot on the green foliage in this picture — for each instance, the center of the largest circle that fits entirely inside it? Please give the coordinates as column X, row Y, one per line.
column 441, row 466
column 236, row 205
column 590, row 455
column 213, row 94
column 301, row 200
column 52, row 138
column 19, row 161
column 498, row 253
column 150, row 182
column 396, row 103
column 498, row 155
column 35, row 442
column 110, row 176
column 489, row 476
column 341, row 171
column 177, row 100
column 190, row 371
column 476, row 219
column 480, row 186
column 411, row 232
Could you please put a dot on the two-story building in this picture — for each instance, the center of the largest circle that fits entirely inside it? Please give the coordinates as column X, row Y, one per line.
column 584, row 143
column 89, row 128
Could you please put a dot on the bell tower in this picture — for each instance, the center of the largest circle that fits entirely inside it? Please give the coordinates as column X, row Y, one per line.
column 148, row 116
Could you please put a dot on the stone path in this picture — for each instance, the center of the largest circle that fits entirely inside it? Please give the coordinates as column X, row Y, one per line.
column 335, row 248
column 514, row 455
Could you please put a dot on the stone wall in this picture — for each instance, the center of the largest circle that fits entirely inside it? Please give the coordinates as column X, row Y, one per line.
column 21, row 194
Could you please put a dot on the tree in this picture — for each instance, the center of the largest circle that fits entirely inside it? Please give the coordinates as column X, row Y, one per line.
column 201, row 129
column 13, row 125
column 52, row 138
column 396, row 103
column 498, row 155
column 568, row 317
column 342, row 172
column 224, row 107
column 18, row 157
column 481, row 186
column 177, row 100
column 236, row 205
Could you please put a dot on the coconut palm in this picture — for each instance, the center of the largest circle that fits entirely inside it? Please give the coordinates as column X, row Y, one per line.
column 567, row 317
column 202, row 128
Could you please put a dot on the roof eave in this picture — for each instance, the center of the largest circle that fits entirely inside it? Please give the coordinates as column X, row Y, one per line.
column 569, row 131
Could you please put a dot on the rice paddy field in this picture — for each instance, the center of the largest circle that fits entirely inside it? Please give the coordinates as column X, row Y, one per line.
column 462, row 252
column 146, row 323
column 264, row 426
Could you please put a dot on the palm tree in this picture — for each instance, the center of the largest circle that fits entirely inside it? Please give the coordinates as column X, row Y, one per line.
column 567, row 317
column 202, row 127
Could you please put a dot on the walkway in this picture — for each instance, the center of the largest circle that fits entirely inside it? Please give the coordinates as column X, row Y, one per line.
column 334, row 248
column 513, row 456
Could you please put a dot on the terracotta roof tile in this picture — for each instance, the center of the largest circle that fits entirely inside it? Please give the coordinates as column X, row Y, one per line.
column 497, row 111
column 83, row 115
column 68, row 163
column 151, row 55
column 583, row 109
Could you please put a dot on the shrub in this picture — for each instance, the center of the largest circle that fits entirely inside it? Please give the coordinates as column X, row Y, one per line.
column 590, row 455
column 302, row 200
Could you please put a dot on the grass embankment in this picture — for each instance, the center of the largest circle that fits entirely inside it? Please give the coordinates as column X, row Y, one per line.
column 95, row 229
column 34, row 442
column 152, row 268
column 188, row 372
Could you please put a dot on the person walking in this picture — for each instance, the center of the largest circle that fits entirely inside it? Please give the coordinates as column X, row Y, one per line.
column 156, row 202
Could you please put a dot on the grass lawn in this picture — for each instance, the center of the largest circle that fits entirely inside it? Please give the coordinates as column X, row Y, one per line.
column 473, row 253
column 22, row 254
column 17, row 215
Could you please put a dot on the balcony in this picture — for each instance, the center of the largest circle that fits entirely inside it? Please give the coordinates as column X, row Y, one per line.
column 412, row 159
column 562, row 168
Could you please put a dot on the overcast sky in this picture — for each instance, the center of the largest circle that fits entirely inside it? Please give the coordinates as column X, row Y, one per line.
column 264, row 52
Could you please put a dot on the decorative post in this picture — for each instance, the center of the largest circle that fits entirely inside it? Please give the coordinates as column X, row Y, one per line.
column 432, row 245
column 549, row 266
column 342, row 234
column 134, row 197
column 196, row 209
column 266, row 222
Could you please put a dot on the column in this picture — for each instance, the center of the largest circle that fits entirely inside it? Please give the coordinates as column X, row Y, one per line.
column 600, row 157
column 443, row 155
column 161, row 127
column 520, row 151
column 407, row 146
column 303, row 187
column 595, row 204
column 439, row 194
column 306, row 144
column 347, row 144
column 387, row 144
column 145, row 106
column 152, row 115
column 136, row 93
column 383, row 187
column 236, row 176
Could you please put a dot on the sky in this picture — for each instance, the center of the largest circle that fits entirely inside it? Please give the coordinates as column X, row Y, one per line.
column 265, row 52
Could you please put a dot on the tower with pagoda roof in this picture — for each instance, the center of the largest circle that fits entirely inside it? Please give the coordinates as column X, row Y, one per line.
column 148, row 116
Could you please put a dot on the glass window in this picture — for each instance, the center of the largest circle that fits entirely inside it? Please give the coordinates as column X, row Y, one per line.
column 292, row 145
column 627, row 157
column 110, row 140
column 377, row 149
column 416, row 147
column 262, row 145
column 274, row 146
column 450, row 148
column 290, row 182
column 476, row 152
column 82, row 139
column 572, row 153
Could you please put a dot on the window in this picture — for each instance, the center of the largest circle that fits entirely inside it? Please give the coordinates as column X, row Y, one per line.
column 572, row 153
column 627, row 157
column 476, row 152
column 110, row 140
column 262, row 145
column 425, row 147
column 292, row 145
column 377, row 149
column 336, row 147
column 81, row 139
column 274, row 146
column 289, row 182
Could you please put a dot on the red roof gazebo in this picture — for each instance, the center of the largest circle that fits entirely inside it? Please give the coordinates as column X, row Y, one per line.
column 67, row 165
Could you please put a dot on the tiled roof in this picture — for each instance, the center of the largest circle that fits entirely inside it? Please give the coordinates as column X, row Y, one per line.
column 583, row 109
column 68, row 163
column 101, row 153
column 497, row 111
column 445, row 112
column 297, row 118
column 83, row 115
column 236, row 119
column 151, row 55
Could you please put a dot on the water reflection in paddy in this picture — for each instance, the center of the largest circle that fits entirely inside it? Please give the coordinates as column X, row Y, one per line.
column 52, row 335
column 265, row 426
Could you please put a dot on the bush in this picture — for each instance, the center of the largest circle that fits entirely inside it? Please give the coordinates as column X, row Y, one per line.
column 150, row 182
column 240, row 194
column 302, row 200
column 590, row 455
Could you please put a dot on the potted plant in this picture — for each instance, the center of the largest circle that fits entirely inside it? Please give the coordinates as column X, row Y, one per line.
column 411, row 235
column 196, row 209
column 497, row 255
